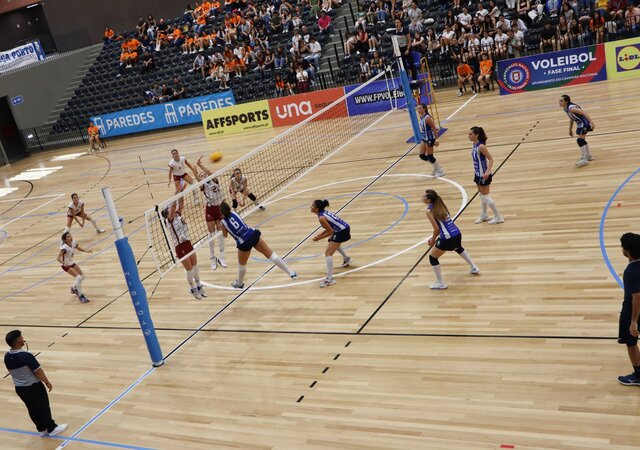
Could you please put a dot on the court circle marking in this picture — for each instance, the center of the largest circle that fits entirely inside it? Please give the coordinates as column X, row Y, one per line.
column 359, row 268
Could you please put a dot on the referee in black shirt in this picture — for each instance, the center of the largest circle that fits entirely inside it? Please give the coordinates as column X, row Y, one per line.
column 28, row 377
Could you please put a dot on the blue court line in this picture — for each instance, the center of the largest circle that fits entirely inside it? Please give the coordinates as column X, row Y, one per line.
column 106, row 408
column 84, row 441
column 603, row 249
column 355, row 244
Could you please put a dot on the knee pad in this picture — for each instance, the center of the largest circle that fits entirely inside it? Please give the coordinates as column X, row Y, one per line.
column 581, row 142
column 234, row 203
column 433, row 261
column 459, row 250
column 431, row 158
column 251, row 197
column 424, row 157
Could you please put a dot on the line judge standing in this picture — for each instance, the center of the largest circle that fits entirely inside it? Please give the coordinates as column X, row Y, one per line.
column 28, row 378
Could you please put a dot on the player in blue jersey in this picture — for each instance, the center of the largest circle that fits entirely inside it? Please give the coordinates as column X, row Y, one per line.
column 246, row 239
column 446, row 236
column 338, row 231
column 429, row 139
column 584, row 124
column 482, row 165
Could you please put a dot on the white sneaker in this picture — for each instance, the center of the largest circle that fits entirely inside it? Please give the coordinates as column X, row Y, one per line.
column 237, row 285
column 100, row 230
column 222, row 262
column 327, row 282
column 438, row 173
column 590, row 158
column 496, row 220
column 582, row 162
column 59, row 429
column 347, row 262
column 196, row 293
column 43, row 433
column 459, row 94
column 214, row 263
column 481, row 219
column 293, row 275
column 438, row 285
column 201, row 291
column 474, row 270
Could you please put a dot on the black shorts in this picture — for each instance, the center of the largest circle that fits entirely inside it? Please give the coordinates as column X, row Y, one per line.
column 624, row 337
column 429, row 142
column 583, row 130
column 449, row 244
column 248, row 245
column 341, row 236
column 481, row 181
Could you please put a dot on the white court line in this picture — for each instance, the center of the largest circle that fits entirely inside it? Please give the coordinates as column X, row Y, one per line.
column 27, row 213
column 366, row 266
column 30, row 198
column 458, row 110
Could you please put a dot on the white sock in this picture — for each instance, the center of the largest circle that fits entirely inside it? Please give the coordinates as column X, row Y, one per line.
column 242, row 271
column 221, row 243
column 438, row 271
column 492, row 205
column 279, row 262
column 483, row 205
column 196, row 274
column 329, row 261
column 467, row 258
column 588, row 151
column 78, row 284
column 343, row 253
column 65, row 230
column 212, row 246
column 437, row 166
column 584, row 151
column 95, row 225
column 190, row 278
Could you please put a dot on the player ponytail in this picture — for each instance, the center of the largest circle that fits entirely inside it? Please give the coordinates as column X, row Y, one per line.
column 566, row 98
column 440, row 210
column 225, row 209
column 482, row 136
column 65, row 235
column 321, row 205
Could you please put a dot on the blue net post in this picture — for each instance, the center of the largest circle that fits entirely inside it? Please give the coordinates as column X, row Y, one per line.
column 136, row 289
column 411, row 105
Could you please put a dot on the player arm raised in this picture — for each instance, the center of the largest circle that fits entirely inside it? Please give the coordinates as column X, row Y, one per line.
column 483, row 149
column 326, row 229
column 193, row 169
column 203, row 167
column 436, row 229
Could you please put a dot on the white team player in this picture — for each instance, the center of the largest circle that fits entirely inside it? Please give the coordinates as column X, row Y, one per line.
column 213, row 216
column 178, row 172
column 240, row 185
column 76, row 209
column 68, row 248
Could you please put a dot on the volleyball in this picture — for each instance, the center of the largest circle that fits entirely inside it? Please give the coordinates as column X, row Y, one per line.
column 215, row 156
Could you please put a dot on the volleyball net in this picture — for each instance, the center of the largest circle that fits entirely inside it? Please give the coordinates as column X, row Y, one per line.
column 274, row 165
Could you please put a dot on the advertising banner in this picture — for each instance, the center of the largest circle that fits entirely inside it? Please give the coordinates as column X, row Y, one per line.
column 554, row 69
column 375, row 97
column 294, row 109
column 163, row 115
column 623, row 59
column 236, row 119
column 21, row 56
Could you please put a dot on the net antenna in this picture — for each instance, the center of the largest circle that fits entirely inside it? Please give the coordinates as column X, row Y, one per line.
column 276, row 164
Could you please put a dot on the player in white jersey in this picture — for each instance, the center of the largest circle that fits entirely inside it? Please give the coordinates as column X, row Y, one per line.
column 338, row 231
column 76, row 209
column 68, row 248
column 429, row 139
column 213, row 197
column 483, row 176
column 179, row 231
column 178, row 170
column 240, row 185
column 584, row 124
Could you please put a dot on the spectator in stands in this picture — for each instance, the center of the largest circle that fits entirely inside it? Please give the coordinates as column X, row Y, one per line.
column 523, row 8
column 382, row 11
column 189, row 46
column 445, row 39
column 414, row 13
column 473, row 46
column 487, row 44
column 94, row 137
column 109, row 35
column 156, row 90
column 302, row 79
column 276, row 23
column 494, row 13
column 617, row 8
column 548, row 38
column 280, row 86
column 500, row 41
column 291, row 80
column 503, row 23
column 377, row 64
column 563, row 33
column 433, row 43
column 325, row 25
column 176, row 39
column 632, row 19
column 142, row 26
column 147, row 62
column 567, row 12
column 455, row 51
column 465, row 74
column 511, row 4
column 315, row 52
column 418, row 44
column 362, row 41
column 280, row 58
column 365, row 70
column 350, row 42
column 486, row 70
column 269, row 60
column 602, row 6
column 179, row 91
column 553, row 7
column 596, row 27
column 198, row 64
column 464, row 19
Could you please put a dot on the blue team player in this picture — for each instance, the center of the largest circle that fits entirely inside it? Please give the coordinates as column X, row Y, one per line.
column 247, row 238
column 584, row 124
column 446, row 236
column 338, row 231
column 429, row 134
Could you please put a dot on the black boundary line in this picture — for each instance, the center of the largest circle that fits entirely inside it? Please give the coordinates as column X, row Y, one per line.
column 19, row 200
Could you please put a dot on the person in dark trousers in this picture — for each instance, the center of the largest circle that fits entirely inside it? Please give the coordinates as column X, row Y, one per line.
column 630, row 314
column 28, row 378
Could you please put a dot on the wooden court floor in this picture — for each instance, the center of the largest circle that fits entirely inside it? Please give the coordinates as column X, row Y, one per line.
column 523, row 356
